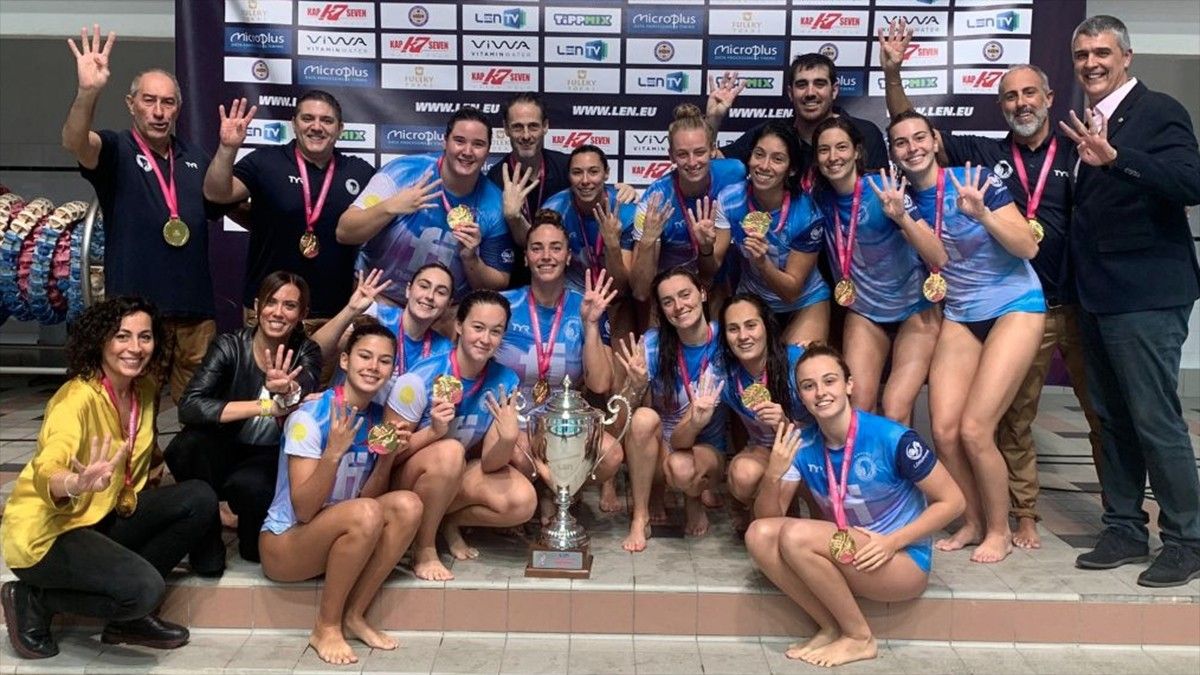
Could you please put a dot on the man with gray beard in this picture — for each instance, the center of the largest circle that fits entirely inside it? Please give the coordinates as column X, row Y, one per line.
column 1033, row 162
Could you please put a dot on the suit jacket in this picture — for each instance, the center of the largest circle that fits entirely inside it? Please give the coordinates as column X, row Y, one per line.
column 1130, row 246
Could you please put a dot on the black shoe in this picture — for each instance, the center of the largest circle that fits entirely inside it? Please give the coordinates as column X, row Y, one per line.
column 28, row 622
column 1113, row 550
column 1175, row 566
column 148, row 631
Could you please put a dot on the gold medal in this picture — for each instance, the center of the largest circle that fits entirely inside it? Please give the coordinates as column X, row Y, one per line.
column 1039, row 232
column 755, row 394
column 934, row 287
column 126, row 502
column 842, row 547
column 845, row 293
column 541, row 391
column 448, row 388
column 383, row 438
column 459, row 215
column 308, row 245
column 176, row 232
column 757, row 222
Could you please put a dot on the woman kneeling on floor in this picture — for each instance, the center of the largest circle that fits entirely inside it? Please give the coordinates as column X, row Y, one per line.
column 332, row 513
column 879, row 509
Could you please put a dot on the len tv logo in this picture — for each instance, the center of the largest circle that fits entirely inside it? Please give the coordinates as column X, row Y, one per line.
column 676, row 82
column 595, row 50
column 510, row 18
column 1006, row 21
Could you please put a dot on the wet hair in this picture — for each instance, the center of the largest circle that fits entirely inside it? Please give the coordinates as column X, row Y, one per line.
column 668, row 337
column 807, row 62
column 270, row 286
column 547, row 217
column 904, row 116
column 366, row 326
column 469, row 113
column 136, row 84
column 815, row 349
column 588, row 147
column 89, row 335
column 820, row 182
column 483, row 296
column 322, row 96
column 1103, row 23
column 778, row 382
column 524, row 97
column 688, row 116
column 435, row 265
column 787, row 134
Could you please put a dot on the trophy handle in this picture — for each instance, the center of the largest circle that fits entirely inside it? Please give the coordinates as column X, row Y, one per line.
column 528, row 449
column 615, row 410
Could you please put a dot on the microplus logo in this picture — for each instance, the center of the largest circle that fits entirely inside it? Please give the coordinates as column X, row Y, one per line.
column 261, row 41
column 659, row 22
column 746, row 52
column 343, row 74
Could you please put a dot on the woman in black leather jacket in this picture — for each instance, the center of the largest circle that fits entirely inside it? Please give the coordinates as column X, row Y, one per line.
column 231, row 409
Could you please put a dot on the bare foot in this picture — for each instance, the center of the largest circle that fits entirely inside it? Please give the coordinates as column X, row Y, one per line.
column 823, row 637
column 331, row 646
column 993, row 548
column 229, row 519
column 658, row 505
column 610, row 502
column 357, row 627
column 1027, row 536
column 697, row 517
column 711, row 499
column 428, row 566
column 639, row 532
column 967, row 535
column 458, row 546
column 842, row 650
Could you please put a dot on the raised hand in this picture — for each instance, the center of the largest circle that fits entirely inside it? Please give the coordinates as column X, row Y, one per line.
column 631, row 354
column 343, row 429
column 516, row 190
column 365, row 290
column 279, row 379
column 91, row 58
column 893, row 44
column 891, row 192
column 626, row 194
column 235, row 124
column 97, row 474
column 468, row 237
column 1091, row 139
column 783, row 451
column 875, row 553
column 596, row 296
column 701, row 222
column 722, row 93
column 441, row 413
column 656, row 217
column 504, row 411
column 705, row 398
column 970, row 191
column 609, row 224
column 420, row 196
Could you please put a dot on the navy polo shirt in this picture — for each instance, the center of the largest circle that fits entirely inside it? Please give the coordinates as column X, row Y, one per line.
column 1054, row 211
column 137, row 260
column 876, row 149
column 277, row 223
column 557, row 179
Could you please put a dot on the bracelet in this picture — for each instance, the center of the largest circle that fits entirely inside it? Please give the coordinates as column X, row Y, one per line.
column 290, row 399
column 67, row 490
column 265, row 407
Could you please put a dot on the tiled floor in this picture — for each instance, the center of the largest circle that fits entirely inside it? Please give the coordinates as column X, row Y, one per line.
column 532, row 654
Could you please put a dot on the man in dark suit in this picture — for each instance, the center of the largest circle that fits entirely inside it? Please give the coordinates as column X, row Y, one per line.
column 1134, row 265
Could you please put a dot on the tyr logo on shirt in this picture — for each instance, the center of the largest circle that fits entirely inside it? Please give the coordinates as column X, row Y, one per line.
column 191, row 165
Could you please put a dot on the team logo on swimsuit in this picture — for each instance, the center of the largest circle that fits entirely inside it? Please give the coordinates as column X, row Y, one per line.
column 506, row 256
column 816, row 233
column 571, row 330
column 1002, row 169
column 915, row 451
column 995, row 181
column 144, row 163
column 298, row 433
column 352, row 186
column 639, row 221
column 908, row 202
column 864, row 468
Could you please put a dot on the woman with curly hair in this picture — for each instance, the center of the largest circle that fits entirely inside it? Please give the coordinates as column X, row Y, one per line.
column 80, row 533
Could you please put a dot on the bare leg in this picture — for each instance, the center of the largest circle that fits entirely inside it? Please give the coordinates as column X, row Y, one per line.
column 434, row 473
column 746, row 471
column 807, row 325
column 865, row 347
column 954, row 362
column 502, row 498
column 338, row 541
column 643, row 446
column 401, row 516
column 912, row 352
column 1006, row 358
column 610, row 463
column 691, row 472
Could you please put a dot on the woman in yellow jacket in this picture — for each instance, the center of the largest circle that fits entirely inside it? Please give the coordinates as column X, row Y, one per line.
column 80, row 533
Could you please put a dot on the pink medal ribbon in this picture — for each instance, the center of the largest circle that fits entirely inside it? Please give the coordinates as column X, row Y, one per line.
column 684, row 210
column 939, row 210
column 838, row 491
column 844, row 241
column 687, row 377
column 312, row 212
column 544, row 353
column 445, row 200
column 783, row 210
column 595, row 260
column 426, row 346
column 170, row 197
column 1035, row 197
column 134, row 422
column 457, row 372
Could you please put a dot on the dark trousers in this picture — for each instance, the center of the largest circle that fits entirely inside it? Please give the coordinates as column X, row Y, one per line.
column 114, row 570
column 243, row 475
column 1133, row 378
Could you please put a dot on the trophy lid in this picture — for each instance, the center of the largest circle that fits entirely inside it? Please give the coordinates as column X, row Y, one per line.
column 568, row 400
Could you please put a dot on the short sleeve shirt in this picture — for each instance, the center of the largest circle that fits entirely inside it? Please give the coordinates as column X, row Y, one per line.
column 677, row 246
column 412, row 397
column 583, row 233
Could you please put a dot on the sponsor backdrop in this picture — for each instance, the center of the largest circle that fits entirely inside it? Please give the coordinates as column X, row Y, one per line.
column 610, row 72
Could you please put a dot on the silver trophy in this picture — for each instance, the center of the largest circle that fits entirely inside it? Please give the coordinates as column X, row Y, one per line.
column 566, row 438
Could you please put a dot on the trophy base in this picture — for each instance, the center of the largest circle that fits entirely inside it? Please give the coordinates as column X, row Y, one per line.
column 549, row 563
